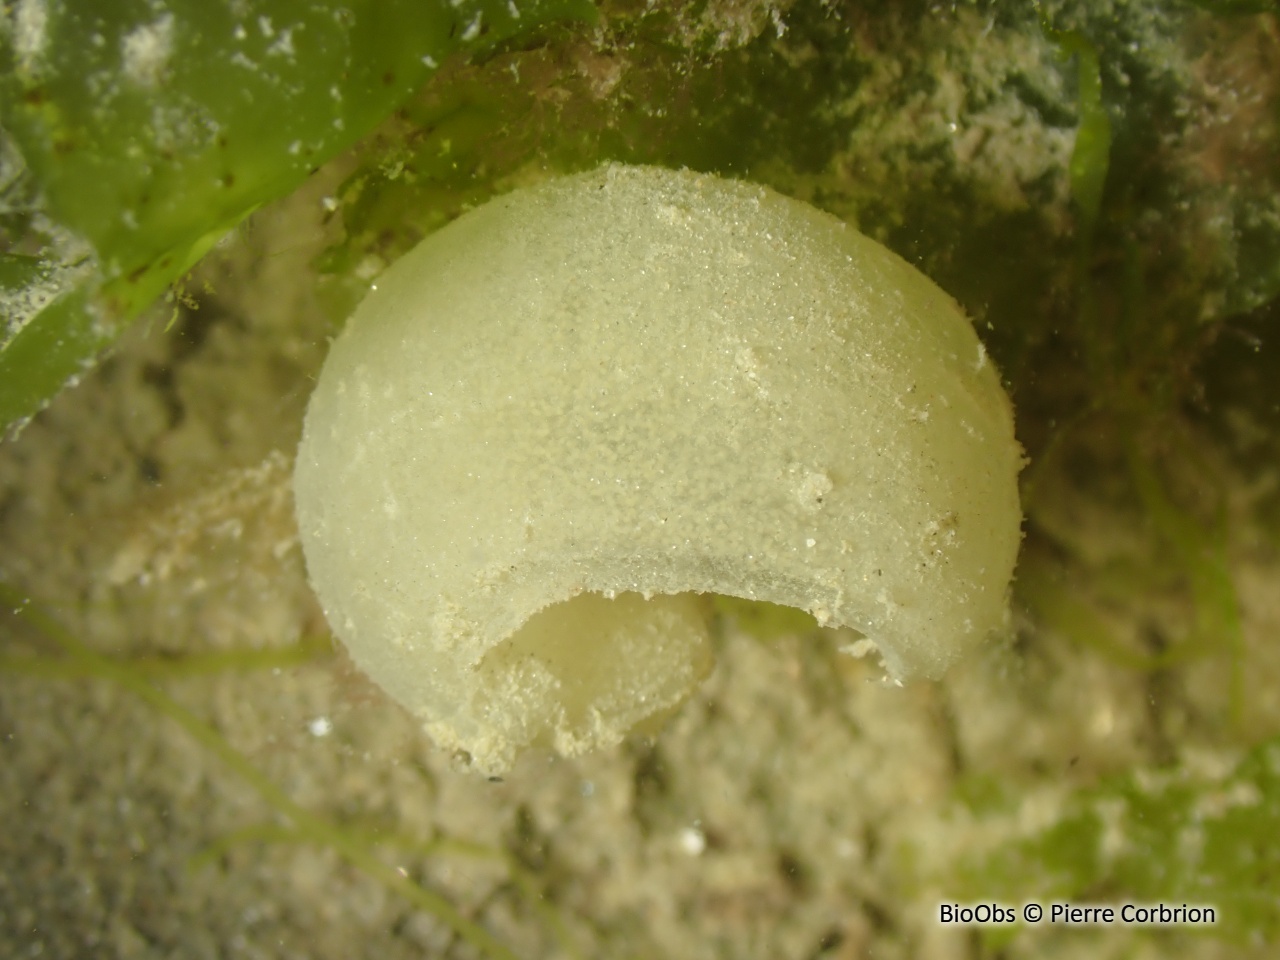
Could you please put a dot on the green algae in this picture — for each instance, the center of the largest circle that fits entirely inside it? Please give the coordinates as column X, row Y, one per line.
column 1168, row 835
column 151, row 133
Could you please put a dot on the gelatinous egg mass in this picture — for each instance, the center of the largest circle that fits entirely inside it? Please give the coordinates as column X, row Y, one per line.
column 560, row 418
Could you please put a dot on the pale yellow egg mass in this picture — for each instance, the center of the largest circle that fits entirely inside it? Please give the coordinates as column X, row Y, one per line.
column 561, row 417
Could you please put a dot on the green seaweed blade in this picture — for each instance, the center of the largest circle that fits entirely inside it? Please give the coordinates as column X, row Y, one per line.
column 152, row 127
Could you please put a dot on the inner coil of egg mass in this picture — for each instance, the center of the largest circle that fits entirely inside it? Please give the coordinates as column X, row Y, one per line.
column 559, row 419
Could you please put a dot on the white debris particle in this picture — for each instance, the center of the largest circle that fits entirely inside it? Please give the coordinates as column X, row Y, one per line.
column 283, row 47
column 982, row 357
column 181, row 126
column 146, row 51
column 778, row 25
column 693, row 841
column 369, row 267
column 320, row 727
column 813, row 489
column 473, row 29
column 30, row 34
column 430, row 61
column 859, row 648
column 513, row 9
column 264, row 24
